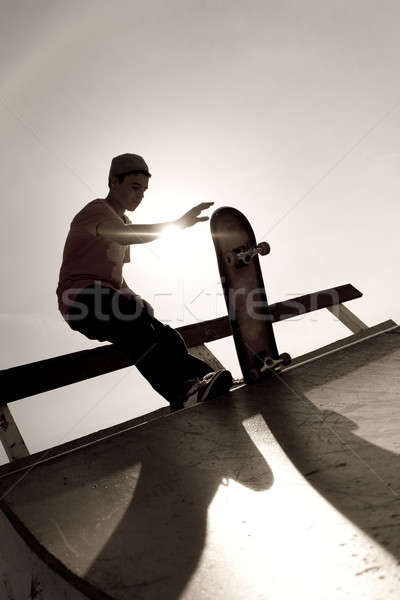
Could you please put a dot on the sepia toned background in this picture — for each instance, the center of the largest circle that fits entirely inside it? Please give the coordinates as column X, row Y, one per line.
column 288, row 111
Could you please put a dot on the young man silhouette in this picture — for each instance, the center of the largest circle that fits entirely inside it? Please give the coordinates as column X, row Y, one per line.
column 95, row 300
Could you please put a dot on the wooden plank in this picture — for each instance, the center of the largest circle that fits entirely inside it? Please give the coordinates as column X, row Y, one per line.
column 10, row 436
column 215, row 329
column 45, row 375
column 316, row 301
column 348, row 318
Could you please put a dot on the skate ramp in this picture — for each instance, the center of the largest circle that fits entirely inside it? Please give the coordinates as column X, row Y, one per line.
column 286, row 487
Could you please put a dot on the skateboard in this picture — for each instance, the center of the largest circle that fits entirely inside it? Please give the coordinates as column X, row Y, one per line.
column 239, row 268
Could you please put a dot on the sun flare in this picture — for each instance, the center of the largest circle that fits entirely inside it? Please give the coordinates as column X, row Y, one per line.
column 170, row 233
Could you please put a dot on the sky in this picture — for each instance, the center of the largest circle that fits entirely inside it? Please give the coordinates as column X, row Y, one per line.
column 288, row 111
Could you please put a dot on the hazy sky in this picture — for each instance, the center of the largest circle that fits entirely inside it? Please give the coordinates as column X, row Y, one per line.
column 287, row 110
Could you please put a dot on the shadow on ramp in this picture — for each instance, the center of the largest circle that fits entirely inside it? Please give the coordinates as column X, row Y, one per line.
column 319, row 414
column 128, row 516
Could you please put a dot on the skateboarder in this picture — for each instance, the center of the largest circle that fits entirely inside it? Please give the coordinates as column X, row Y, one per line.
column 95, row 300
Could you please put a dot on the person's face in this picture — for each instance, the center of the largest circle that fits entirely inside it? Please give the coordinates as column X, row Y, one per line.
column 129, row 193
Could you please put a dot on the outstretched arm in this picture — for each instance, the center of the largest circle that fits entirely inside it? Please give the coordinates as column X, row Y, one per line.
column 116, row 231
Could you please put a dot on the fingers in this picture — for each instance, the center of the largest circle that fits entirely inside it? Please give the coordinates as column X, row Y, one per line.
column 198, row 220
column 191, row 217
column 203, row 206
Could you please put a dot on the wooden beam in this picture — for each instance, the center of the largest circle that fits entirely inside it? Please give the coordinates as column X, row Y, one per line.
column 45, row 375
column 215, row 329
column 10, row 436
column 348, row 318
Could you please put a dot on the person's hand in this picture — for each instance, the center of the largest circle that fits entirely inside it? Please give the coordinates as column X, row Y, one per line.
column 192, row 216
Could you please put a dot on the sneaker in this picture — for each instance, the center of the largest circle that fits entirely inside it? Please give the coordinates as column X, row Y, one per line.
column 213, row 384
column 190, row 388
column 198, row 390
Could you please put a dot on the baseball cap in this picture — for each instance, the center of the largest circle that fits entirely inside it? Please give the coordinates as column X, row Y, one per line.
column 123, row 163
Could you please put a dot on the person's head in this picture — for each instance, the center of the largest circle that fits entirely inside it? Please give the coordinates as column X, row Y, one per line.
column 128, row 180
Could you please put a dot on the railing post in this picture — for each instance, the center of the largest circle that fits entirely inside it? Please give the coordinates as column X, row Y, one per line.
column 10, row 435
column 348, row 318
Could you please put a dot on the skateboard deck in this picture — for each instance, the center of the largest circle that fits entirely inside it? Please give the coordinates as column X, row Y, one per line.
column 239, row 267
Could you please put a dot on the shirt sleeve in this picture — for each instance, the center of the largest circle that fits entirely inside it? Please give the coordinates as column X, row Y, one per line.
column 91, row 215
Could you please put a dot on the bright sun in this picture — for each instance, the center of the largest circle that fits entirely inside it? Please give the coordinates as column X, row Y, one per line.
column 170, row 233
column 171, row 241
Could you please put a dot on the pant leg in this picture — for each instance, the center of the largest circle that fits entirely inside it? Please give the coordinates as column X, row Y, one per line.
column 158, row 351
column 195, row 367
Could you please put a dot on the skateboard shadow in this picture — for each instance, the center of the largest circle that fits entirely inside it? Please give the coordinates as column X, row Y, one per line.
column 158, row 542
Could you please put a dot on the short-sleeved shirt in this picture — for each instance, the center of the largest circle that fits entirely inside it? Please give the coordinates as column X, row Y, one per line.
column 88, row 257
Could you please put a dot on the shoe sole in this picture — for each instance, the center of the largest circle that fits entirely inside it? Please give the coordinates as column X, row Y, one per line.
column 220, row 384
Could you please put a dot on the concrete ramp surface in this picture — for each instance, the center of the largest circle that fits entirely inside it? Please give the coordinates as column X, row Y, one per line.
column 289, row 488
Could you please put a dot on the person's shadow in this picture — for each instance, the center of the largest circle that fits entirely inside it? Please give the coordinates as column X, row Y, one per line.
column 160, row 482
column 162, row 479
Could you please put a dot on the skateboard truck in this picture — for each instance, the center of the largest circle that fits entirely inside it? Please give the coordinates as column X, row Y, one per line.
column 244, row 255
column 271, row 364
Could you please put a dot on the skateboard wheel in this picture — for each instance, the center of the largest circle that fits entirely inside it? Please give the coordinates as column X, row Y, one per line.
column 264, row 248
column 229, row 258
column 285, row 358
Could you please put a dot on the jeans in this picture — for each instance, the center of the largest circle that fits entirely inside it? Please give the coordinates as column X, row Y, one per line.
column 158, row 351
